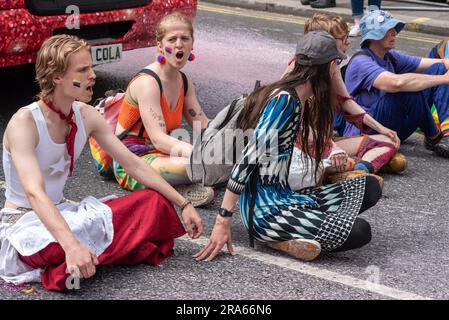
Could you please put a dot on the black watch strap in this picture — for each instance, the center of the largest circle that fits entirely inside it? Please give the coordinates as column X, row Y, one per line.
column 225, row 213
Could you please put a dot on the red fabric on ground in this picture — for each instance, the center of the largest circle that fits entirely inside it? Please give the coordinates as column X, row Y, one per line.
column 145, row 226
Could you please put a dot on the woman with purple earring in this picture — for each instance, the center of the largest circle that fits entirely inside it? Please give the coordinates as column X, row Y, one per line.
column 155, row 103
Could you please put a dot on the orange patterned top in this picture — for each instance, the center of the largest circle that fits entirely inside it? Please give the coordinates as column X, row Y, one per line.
column 129, row 113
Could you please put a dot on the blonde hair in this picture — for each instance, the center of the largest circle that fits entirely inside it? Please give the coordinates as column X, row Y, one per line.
column 334, row 25
column 161, row 28
column 53, row 59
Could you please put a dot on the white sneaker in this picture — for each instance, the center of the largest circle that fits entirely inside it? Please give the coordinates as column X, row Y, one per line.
column 355, row 31
column 198, row 194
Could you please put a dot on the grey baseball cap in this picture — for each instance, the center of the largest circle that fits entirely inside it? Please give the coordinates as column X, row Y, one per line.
column 317, row 47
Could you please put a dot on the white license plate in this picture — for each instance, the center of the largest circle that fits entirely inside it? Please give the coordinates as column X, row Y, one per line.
column 107, row 53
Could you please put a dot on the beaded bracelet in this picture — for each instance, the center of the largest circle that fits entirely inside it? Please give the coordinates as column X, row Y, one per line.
column 185, row 204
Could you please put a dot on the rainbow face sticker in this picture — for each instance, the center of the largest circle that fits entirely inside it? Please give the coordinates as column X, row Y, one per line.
column 77, row 83
column 168, row 50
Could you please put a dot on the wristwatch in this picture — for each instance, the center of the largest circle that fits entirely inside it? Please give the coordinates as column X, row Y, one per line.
column 225, row 213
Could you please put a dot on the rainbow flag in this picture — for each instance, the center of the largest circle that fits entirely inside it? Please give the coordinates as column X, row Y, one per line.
column 77, row 83
column 435, row 118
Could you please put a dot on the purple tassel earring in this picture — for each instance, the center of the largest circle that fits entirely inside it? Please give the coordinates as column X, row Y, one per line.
column 191, row 56
column 160, row 59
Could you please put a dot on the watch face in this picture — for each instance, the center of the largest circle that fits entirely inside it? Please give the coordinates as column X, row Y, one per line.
column 224, row 213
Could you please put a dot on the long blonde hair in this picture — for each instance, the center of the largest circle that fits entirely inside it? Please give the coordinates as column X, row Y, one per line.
column 53, row 59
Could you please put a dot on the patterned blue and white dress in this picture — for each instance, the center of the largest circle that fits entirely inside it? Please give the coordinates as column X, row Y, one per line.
column 325, row 214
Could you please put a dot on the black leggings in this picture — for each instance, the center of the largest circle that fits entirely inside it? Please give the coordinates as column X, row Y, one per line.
column 360, row 234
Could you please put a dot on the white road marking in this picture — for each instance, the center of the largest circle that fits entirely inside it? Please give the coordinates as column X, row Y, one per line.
column 309, row 269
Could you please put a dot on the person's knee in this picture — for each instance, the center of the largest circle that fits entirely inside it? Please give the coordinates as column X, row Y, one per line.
column 408, row 100
column 164, row 164
column 361, row 231
column 373, row 192
column 150, row 194
column 383, row 138
column 359, row 236
column 436, row 69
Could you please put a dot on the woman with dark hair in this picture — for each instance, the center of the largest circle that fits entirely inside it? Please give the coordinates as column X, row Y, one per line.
column 300, row 224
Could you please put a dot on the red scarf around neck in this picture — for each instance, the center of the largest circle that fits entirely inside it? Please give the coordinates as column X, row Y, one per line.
column 70, row 138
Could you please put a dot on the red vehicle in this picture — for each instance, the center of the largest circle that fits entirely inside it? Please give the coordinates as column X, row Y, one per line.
column 111, row 26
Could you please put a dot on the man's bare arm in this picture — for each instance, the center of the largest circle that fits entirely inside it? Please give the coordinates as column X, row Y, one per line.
column 408, row 82
column 137, row 168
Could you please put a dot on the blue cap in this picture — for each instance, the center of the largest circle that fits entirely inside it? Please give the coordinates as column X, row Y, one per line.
column 375, row 25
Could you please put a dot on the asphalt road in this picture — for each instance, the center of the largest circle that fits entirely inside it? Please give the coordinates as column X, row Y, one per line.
column 406, row 259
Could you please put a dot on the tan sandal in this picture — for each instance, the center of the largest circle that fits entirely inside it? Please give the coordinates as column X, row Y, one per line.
column 198, row 194
column 397, row 163
column 348, row 175
column 303, row 249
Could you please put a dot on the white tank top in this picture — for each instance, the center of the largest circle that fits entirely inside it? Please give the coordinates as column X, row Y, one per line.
column 53, row 159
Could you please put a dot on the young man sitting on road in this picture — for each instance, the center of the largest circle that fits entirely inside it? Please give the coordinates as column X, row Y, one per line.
column 43, row 237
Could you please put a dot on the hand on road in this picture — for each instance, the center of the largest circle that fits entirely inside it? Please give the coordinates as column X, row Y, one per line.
column 221, row 235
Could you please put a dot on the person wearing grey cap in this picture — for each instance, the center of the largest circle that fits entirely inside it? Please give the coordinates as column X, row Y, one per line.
column 295, row 107
column 397, row 89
